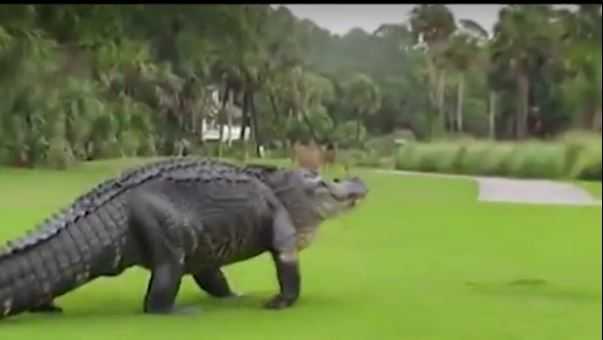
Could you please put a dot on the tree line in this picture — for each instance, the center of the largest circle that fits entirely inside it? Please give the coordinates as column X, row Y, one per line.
column 84, row 82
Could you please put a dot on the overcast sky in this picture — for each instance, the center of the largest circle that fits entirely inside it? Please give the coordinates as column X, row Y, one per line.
column 340, row 18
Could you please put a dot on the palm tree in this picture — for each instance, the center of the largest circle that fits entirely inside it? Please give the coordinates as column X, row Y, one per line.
column 314, row 91
column 463, row 53
column 398, row 36
column 433, row 25
column 582, row 42
column 364, row 98
column 524, row 38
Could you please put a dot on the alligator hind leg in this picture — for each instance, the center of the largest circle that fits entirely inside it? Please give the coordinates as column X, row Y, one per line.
column 163, row 289
column 213, row 281
column 164, row 258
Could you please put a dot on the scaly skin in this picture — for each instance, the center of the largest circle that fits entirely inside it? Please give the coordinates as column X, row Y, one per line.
column 174, row 218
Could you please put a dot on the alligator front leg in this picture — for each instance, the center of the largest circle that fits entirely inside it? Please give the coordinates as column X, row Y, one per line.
column 213, row 282
column 289, row 279
column 284, row 255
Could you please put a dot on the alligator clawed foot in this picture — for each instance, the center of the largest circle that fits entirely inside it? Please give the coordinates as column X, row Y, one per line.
column 233, row 295
column 278, row 302
column 182, row 310
column 186, row 310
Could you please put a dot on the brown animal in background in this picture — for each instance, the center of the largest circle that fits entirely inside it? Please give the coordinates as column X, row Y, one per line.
column 312, row 156
column 307, row 156
column 329, row 155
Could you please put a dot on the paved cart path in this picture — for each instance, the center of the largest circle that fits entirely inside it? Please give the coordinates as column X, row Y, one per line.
column 496, row 189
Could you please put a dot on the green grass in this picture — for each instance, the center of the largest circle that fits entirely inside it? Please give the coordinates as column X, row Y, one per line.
column 420, row 259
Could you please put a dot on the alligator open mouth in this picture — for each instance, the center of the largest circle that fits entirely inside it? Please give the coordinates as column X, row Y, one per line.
column 352, row 197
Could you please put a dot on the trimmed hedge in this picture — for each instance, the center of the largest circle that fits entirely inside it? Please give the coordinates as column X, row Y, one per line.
column 574, row 155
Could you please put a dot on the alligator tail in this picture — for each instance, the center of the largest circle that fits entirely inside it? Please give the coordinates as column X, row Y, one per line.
column 49, row 267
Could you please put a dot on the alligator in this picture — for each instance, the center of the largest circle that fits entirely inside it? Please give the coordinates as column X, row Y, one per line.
column 173, row 218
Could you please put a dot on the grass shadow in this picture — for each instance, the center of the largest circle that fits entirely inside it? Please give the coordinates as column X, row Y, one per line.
column 535, row 288
column 197, row 304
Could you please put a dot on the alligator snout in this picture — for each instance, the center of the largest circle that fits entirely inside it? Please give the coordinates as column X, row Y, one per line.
column 351, row 190
column 357, row 189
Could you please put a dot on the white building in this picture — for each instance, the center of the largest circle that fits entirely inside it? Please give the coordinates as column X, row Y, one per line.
column 210, row 126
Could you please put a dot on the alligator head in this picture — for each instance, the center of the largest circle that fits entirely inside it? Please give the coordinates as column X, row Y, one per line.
column 312, row 199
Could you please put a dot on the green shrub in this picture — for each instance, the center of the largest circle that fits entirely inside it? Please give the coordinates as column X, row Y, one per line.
column 575, row 155
column 538, row 160
column 372, row 159
column 438, row 157
column 588, row 166
column 472, row 157
column 5, row 156
column 107, row 149
column 350, row 156
column 496, row 159
column 278, row 152
column 207, row 149
column 386, row 146
column 60, row 155
column 130, row 142
column 435, row 157
column 147, row 147
column 407, row 159
column 583, row 155
column 345, row 134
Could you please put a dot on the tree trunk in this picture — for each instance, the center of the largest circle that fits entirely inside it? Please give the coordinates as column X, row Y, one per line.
column 221, row 119
column 432, row 75
column 277, row 117
column 244, row 117
column 357, row 139
column 459, row 108
column 523, row 86
column 202, row 110
column 223, row 112
column 310, row 126
column 229, row 118
column 193, row 118
column 442, row 96
column 597, row 121
column 245, row 124
column 492, row 116
column 256, row 129
column 433, row 80
column 201, row 131
column 438, row 123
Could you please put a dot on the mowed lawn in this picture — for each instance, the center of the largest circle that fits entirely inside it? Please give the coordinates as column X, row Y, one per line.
column 420, row 259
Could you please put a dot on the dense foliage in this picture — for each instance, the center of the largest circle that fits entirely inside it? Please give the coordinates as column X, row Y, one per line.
column 91, row 81
column 570, row 156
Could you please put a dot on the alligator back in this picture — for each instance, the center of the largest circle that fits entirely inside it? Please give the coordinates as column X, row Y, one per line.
column 97, row 197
